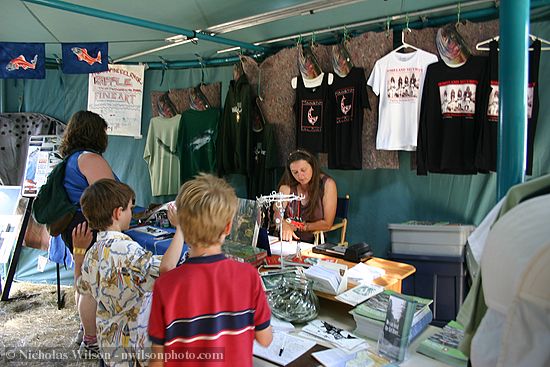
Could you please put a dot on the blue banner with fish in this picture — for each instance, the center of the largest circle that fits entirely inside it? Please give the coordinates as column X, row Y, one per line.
column 85, row 58
column 22, row 60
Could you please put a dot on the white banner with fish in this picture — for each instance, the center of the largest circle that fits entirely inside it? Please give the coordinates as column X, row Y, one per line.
column 117, row 95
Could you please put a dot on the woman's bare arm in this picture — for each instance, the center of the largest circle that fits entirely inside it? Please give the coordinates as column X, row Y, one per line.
column 94, row 167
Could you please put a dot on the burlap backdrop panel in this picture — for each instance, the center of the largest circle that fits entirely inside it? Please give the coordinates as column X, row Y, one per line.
column 180, row 97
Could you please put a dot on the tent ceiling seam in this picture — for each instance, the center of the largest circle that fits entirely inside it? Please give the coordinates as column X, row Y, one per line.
column 40, row 22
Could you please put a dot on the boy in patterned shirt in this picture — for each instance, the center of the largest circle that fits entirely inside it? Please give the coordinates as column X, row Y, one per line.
column 209, row 310
column 118, row 273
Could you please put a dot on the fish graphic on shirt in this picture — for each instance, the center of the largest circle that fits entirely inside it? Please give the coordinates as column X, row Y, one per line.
column 82, row 55
column 21, row 63
column 345, row 108
column 201, row 140
column 310, row 118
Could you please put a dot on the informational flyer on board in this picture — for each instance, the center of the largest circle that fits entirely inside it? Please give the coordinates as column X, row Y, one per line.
column 117, row 95
column 10, row 220
column 42, row 157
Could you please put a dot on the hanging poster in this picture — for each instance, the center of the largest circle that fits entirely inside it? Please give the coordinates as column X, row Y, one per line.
column 42, row 157
column 117, row 95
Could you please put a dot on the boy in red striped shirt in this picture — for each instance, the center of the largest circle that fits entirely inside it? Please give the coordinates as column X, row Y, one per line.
column 209, row 310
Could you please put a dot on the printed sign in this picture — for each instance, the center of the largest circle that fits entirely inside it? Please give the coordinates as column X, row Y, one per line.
column 117, row 95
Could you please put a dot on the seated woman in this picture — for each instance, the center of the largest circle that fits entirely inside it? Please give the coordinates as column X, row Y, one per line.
column 317, row 210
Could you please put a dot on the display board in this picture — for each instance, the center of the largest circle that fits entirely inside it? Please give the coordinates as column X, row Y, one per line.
column 42, row 156
column 117, row 95
column 10, row 220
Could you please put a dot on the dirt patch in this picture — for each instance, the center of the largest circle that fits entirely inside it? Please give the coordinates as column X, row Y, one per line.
column 34, row 332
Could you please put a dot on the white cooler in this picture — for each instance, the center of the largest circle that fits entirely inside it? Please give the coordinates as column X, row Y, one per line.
column 422, row 238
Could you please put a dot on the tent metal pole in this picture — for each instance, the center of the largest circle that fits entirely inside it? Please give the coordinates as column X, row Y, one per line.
column 2, row 96
column 62, row 5
column 513, row 77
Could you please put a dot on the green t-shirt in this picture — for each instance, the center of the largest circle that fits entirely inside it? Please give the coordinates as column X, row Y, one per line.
column 160, row 155
column 197, row 142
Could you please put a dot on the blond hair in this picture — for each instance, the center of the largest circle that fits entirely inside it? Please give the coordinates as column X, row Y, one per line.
column 205, row 206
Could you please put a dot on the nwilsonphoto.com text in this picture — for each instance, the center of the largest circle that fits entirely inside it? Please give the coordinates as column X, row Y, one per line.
column 17, row 356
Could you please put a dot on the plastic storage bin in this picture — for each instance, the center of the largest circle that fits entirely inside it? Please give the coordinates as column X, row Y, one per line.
column 429, row 239
column 440, row 278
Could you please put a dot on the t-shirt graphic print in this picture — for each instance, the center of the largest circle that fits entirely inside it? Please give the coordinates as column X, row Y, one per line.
column 458, row 98
column 492, row 107
column 344, row 104
column 403, row 84
column 311, row 116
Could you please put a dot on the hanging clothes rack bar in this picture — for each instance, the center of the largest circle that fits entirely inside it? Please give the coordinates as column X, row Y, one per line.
column 480, row 45
column 379, row 21
column 79, row 9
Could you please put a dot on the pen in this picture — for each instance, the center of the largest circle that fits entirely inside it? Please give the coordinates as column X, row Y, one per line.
column 282, row 346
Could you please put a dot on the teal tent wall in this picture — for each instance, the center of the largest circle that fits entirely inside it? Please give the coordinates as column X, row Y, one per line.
column 378, row 197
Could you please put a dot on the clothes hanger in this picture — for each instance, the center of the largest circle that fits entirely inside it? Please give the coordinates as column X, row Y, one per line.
column 481, row 45
column 403, row 43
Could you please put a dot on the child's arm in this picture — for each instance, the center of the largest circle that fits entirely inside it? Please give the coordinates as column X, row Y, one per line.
column 157, row 359
column 262, row 317
column 264, row 337
column 143, row 266
column 173, row 253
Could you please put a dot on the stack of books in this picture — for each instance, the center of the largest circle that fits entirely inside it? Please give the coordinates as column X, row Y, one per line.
column 243, row 253
column 369, row 316
column 443, row 345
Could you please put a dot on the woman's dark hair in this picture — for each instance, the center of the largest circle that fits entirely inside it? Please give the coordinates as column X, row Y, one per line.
column 85, row 131
column 314, row 187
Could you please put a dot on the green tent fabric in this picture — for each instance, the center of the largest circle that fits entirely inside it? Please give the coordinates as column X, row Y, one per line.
column 27, row 269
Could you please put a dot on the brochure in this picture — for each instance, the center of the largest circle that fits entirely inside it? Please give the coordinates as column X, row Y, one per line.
column 359, row 294
column 335, row 335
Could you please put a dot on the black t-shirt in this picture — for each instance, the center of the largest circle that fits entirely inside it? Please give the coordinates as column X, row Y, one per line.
column 312, row 112
column 451, row 114
column 264, row 176
column 349, row 96
column 487, row 159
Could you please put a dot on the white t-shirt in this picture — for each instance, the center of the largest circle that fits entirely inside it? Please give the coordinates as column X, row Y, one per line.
column 398, row 79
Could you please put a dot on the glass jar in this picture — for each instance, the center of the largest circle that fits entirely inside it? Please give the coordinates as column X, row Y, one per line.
column 294, row 300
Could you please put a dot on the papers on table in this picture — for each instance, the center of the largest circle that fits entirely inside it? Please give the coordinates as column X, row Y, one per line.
column 284, row 348
column 362, row 273
column 338, row 337
column 287, row 247
column 153, row 231
column 338, row 358
column 359, row 294
column 328, row 277
column 281, row 326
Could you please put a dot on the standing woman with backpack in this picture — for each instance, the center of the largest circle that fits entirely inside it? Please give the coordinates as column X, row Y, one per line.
column 84, row 141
